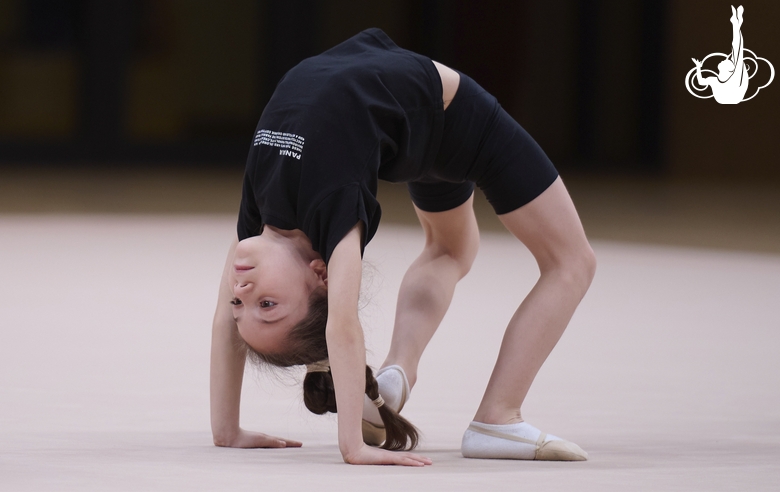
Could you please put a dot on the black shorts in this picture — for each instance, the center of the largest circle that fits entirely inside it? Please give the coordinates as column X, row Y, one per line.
column 482, row 144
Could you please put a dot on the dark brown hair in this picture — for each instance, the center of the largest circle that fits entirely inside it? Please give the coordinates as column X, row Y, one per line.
column 306, row 344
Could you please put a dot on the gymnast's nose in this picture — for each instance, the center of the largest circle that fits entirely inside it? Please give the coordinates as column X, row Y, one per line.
column 242, row 287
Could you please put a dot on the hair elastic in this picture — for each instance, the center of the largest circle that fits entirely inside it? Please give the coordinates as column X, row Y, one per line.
column 319, row 366
column 379, row 401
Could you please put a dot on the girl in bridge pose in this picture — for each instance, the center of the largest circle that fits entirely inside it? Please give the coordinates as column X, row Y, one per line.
column 336, row 123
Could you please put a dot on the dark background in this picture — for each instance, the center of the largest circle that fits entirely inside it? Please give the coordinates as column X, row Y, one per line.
column 599, row 83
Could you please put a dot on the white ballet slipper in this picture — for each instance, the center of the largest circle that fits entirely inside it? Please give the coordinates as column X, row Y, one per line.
column 394, row 390
column 520, row 441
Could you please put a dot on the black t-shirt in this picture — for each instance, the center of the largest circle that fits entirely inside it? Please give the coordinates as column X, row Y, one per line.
column 363, row 110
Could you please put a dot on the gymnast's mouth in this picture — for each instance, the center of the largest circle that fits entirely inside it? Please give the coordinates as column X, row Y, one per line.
column 243, row 268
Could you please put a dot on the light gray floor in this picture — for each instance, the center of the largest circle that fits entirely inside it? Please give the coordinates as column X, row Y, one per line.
column 668, row 374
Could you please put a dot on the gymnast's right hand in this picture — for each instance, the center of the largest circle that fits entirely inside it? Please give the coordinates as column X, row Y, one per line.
column 367, row 455
column 249, row 439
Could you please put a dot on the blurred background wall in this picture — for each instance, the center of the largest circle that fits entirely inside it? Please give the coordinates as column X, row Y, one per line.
column 599, row 83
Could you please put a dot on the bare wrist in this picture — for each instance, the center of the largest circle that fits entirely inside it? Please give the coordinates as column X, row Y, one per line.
column 226, row 437
column 350, row 449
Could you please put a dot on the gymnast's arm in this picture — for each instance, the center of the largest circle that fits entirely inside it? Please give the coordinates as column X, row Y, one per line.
column 227, row 374
column 347, row 355
column 344, row 336
column 701, row 80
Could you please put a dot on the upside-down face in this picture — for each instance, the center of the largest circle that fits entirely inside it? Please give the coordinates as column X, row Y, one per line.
column 271, row 284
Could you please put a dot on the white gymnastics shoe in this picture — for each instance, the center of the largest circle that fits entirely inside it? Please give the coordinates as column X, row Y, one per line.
column 519, row 441
column 394, row 390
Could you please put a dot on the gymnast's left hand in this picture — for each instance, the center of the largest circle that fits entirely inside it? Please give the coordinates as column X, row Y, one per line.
column 367, row 455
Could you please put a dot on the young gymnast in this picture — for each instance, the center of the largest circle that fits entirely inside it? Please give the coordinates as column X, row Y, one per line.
column 336, row 123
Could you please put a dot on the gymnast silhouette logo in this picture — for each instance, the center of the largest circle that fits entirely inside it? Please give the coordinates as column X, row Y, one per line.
column 730, row 84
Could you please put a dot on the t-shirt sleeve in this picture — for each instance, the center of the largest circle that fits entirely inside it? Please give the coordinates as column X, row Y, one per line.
column 337, row 214
column 249, row 219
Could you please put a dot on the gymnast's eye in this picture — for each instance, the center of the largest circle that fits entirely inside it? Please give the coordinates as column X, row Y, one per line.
column 267, row 304
column 235, row 301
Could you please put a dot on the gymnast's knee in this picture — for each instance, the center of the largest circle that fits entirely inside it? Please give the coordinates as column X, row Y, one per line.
column 583, row 267
column 466, row 253
column 461, row 253
column 576, row 268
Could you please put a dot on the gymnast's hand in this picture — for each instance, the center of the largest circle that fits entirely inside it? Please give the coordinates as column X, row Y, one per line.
column 249, row 439
column 367, row 455
column 697, row 62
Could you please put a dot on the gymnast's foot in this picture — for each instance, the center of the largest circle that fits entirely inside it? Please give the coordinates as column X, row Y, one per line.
column 520, row 441
column 736, row 15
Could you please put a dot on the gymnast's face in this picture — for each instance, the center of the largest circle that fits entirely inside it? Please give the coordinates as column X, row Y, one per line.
column 271, row 283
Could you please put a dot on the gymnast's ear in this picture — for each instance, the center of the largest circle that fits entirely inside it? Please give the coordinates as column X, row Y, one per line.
column 320, row 269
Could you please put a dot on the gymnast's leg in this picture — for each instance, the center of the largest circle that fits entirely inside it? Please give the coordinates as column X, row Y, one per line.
column 451, row 244
column 550, row 228
column 737, row 42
